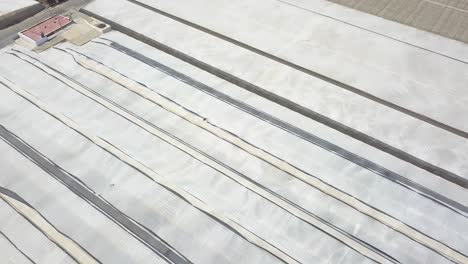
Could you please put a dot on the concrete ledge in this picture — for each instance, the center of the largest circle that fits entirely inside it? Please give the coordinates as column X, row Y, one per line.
column 11, row 18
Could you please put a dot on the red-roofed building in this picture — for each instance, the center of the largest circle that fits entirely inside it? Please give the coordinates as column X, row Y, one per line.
column 45, row 30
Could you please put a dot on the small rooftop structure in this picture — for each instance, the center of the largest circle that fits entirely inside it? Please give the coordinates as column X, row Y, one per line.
column 40, row 33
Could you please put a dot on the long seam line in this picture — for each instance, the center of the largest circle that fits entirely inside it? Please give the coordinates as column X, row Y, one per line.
column 447, row 175
column 172, row 191
column 84, row 193
column 366, row 164
column 305, row 70
column 18, row 198
column 16, row 247
column 386, row 214
column 355, row 239
column 377, row 210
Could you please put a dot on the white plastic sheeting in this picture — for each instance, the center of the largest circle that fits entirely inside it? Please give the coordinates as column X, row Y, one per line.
column 134, row 156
